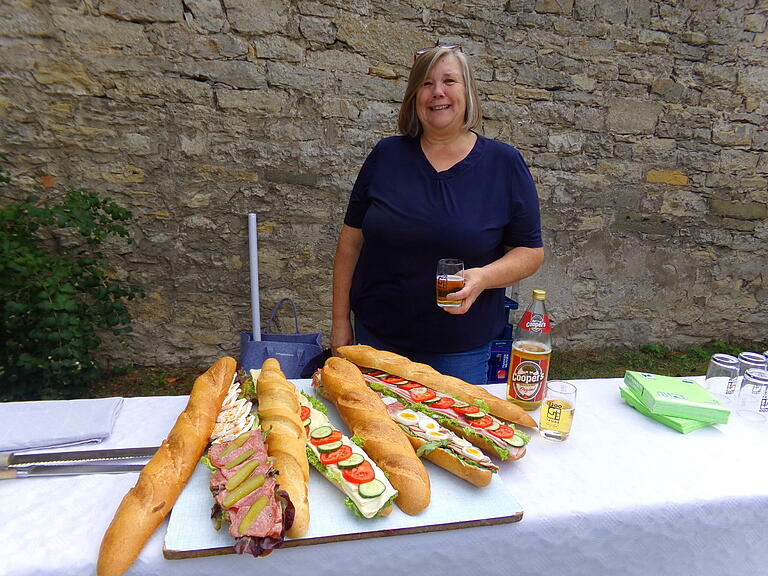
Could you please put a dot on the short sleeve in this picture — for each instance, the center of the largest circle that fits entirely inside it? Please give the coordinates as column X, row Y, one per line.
column 524, row 228
column 359, row 200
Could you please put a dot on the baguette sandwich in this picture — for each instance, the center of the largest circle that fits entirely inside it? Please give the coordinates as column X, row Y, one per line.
column 384, row 441
column 260, row 469
column 368, row 357
column 368, row 491
column 161, row 481
column 473, row 422
column 436, row 443
column 279, row 416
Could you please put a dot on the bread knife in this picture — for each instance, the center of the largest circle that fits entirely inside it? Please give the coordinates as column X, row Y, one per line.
column 67, row 470
column 14, row 459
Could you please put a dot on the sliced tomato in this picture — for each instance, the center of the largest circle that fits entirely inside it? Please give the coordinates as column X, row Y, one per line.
column 408, row 385
column 503, row 431
column 421, row 394
column 483, row 422
column 393, row 379
column 334, row 437
column 336, row 456
column 444, row 402
column 471, row 409
column 304, row 414
column 359, row 474
column 371, row 372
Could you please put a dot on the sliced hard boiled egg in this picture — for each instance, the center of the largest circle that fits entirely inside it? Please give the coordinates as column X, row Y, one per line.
column 473, row 453
column 407, row 417
column 436, row 436
column 388, row 400
column 428, row 424
column 462, row 442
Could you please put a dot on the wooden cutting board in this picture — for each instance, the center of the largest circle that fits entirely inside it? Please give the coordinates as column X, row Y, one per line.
column 455, row 504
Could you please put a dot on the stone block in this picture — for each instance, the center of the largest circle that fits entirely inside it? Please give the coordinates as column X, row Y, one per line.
column 208, row 14
column 671, row 177
column 320, row 30
column 554, row 6
column 268, row 102
column 263, row 17
column 70, row 77
column 630, row 116
column 739, row 210
column 143, row 10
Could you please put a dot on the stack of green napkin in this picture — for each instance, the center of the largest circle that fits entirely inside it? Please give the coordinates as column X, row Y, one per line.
column 680, row 403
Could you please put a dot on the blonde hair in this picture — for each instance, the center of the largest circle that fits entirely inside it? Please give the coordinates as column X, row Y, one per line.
column 408, row 122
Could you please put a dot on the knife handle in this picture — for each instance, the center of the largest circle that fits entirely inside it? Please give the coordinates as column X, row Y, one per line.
column 8, row 474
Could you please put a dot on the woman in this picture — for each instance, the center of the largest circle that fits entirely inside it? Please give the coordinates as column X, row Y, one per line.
column 440, row 190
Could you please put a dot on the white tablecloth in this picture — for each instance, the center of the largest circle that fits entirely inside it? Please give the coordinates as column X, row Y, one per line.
column 624, row 495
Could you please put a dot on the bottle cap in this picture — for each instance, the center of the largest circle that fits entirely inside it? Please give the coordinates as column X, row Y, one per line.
column 539, row 294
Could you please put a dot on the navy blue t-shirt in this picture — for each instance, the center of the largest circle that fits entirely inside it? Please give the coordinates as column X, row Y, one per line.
column 411, row 216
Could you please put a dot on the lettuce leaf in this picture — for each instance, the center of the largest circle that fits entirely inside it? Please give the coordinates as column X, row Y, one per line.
column 316, row 404
column 428, row 447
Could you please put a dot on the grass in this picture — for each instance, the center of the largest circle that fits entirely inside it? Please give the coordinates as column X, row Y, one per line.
column 565, row 364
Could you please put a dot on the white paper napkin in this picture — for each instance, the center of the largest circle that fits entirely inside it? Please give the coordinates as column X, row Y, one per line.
column 47, row 424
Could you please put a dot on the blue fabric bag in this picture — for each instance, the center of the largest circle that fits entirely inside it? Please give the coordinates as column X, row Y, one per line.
column 299, row 354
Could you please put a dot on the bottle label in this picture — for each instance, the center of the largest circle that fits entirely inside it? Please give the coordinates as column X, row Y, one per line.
column 535, row 322
column 527, row 378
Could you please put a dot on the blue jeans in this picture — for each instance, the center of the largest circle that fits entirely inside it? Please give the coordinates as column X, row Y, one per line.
column 470, row 366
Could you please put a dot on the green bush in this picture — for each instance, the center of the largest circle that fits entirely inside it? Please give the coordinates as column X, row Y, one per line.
column 56, row 292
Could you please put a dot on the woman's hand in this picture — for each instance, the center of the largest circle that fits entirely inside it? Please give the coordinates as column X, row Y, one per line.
column 516, row 264
column 474, row 279
column 341, row 335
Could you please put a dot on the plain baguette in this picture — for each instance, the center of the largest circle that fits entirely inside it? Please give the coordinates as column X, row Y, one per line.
column 279, row 416
column 401, row 366
column 383, row 440
column 161, row 481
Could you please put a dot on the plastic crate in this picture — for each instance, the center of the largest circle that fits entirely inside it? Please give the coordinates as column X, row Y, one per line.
column 501, row 347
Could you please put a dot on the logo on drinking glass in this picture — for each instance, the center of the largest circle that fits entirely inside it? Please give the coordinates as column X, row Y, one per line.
column 554, row 411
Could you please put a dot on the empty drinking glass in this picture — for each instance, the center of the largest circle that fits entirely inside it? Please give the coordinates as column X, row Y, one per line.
column 753, row 395
column 749, row 360
column 722, row 377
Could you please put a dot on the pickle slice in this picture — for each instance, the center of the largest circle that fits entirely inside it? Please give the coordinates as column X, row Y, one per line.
column 243, row 490
column 236, row 443
column 252, row 514
column 241, row 474
column 239, row 459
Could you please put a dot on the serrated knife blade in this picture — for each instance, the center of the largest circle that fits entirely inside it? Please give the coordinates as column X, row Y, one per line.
column 67, row 470
column 13, row 459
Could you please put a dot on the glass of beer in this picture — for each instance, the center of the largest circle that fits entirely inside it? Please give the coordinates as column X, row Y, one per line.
column 557, row 410
column 450, row 278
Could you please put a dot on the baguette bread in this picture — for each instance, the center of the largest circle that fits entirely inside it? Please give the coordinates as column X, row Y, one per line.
column 401, row 366
column 476, row 476
column 279, row 416
column 383, row 440
column 161, row 481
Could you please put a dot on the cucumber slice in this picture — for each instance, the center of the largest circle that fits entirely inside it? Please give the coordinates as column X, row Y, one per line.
column 307, row 422
column 516, row 441
column 321, row 432
column 330, row 447
column 476, row 416
column 459, row 404
column 352, row 461
column 371, row 489
column 431, row 400
column 495, row 425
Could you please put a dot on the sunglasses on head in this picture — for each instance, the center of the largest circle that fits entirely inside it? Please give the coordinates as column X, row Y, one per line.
column 454, row 47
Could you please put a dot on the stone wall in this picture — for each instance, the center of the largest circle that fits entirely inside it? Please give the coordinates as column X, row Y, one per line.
column 643, row 121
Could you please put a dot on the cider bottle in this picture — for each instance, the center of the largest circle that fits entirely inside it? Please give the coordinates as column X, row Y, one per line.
column 531, row 350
